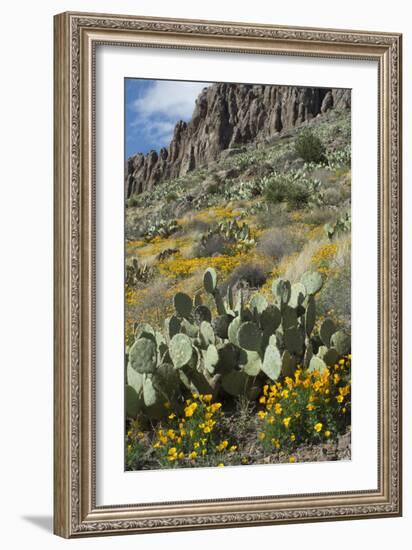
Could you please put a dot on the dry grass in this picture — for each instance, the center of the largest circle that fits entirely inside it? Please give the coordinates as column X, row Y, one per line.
column 279, row 242
column 318, row 215
column 302, row 262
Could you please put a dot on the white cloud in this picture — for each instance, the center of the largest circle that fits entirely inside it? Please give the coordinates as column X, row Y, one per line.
column 159, row 131
column 174, row 100
column 162, row 106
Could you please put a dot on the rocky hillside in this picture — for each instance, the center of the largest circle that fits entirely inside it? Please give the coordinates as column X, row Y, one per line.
column 227, row 117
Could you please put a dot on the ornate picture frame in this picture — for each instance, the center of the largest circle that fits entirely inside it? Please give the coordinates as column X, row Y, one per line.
column 76, row 512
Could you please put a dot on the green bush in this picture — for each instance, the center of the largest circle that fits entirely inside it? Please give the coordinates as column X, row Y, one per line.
column 132, row 202
column 286, row 189
column 171, row 196
column 309, row 147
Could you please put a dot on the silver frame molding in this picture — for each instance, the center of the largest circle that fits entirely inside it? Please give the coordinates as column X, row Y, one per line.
column 75, row 38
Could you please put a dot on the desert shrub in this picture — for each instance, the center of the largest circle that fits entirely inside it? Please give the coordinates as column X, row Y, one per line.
column 309, row 147
column 289, row 189
column 309, row 408
column 214, row 188
column 272, row 215
column 318, row 215
column 279, row 242
column 252, row 274
column 332, row 196
column 261, row 170
column 171, row 196
column 132, row 202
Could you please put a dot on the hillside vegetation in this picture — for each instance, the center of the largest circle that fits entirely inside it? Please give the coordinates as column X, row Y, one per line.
column 265, row 229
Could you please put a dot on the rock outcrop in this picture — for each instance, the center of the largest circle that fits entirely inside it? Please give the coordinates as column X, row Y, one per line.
column 228, row 116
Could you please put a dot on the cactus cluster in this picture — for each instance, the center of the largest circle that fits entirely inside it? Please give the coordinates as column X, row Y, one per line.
column 237, row 235
column 136, row 273
column 342, row 225
column 232, row 348
column 243, row 190
column 160, row 228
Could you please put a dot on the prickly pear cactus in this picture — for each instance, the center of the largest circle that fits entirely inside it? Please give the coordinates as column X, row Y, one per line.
column 181, row 350
column 312, row 281
column 143, row 355
column 183, row 304
column 232, row 349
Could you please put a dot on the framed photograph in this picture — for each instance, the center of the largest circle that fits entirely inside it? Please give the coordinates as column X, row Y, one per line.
column 227, row 274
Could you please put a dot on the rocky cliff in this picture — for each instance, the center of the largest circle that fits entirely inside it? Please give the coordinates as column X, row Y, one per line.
column 227, row 116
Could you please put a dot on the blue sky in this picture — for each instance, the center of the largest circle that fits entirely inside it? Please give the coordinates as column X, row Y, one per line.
column 152, row 108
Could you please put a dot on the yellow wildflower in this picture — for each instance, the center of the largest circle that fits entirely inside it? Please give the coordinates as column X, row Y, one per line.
column 276, row 443
column 318, row 427
column 286, row 421
column 190, row 409
column 222, row 445
column 278, row 408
